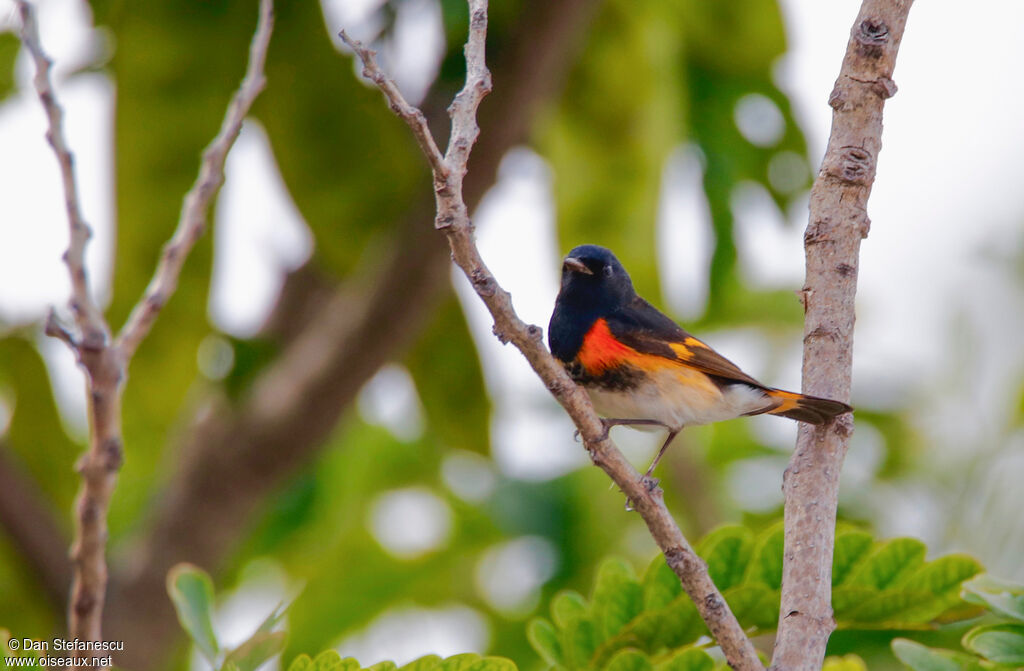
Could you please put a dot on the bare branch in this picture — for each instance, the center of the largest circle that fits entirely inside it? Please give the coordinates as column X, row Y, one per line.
column 192, row 223
column 838, row 222
column 105, row 362
column 88, row 317
column 412, row 116
column 453, row 219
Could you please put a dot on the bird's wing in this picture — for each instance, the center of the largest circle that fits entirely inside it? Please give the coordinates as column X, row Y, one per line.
column 641, row 326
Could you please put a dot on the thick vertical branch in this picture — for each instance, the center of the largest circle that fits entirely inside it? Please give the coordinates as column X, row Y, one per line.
column 838, row 222
column 105, row 361
column 453, row 219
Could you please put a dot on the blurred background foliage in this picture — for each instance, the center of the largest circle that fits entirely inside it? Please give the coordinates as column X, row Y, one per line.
column 389, row 523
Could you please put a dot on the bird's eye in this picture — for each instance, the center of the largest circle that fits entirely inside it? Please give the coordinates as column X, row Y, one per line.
column 608, row 271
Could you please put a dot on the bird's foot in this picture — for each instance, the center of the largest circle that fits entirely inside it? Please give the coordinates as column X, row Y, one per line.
column 650, row 483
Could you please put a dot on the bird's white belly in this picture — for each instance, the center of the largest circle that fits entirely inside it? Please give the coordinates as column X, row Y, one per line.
column 679, row 397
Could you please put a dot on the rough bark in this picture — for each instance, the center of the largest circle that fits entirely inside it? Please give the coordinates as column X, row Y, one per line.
column 838, row 222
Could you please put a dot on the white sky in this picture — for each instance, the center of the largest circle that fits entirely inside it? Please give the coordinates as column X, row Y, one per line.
column 946, row 210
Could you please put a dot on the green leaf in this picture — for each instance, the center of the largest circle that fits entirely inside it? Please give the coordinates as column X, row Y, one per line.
column 9, row 46
column 473, row 662
column 383, row 666
column 191, row 592
column 661, row 584
column 272, row 620
column 754, row 605
column 690, row 659
column 944, row 574
column 851, row 547
column 845, row 663
column 256, row 651
column 920, row 597
column 302, row 662
column 544, row 639
column 567, row 606
column 999, row 643
column 846, row 600
column 1001, row 596
column 889, row 563
column 580, row 641
column 674, row 626
column 727, row 551
column 766, row 566
column 922, row 658
column 330, row 660
column 629, row 660
column 618, row 596
column 425, row 663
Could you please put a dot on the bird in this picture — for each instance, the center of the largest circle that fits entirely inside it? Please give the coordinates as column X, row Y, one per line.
column 642, row 369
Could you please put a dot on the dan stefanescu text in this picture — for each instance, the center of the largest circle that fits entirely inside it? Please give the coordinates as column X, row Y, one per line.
column 74, row 644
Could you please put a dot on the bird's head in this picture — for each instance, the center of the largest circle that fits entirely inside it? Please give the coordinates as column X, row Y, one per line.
column 594, row 280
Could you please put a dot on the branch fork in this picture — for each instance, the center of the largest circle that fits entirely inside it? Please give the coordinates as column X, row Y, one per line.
column 103, row 357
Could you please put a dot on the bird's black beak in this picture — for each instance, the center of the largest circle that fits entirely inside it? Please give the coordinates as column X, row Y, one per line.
column 577, row 266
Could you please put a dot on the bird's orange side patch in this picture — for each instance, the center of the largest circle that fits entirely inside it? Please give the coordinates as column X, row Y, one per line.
column 601, row 351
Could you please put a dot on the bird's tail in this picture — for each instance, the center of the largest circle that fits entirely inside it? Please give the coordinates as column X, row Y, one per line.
column 802, row 408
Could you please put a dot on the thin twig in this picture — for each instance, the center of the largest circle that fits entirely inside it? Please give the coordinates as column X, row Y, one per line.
column 103, row 361
column 88, row 317
column 453, row 219
column 399, row 105
column 838, row 222
column 192, row 223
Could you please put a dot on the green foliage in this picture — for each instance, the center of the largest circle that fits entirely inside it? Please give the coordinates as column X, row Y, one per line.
column 1001, row 643
column 880, row 584
column 9, row 46
column 1002, row 597
column 330, row 660
column 191, row 592
column 844, row 663
column 922, row 658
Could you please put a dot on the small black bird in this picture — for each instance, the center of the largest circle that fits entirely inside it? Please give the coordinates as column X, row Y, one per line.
column 641, row 368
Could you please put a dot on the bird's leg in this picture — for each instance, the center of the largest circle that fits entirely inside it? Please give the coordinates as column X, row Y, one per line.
column 647, row 479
